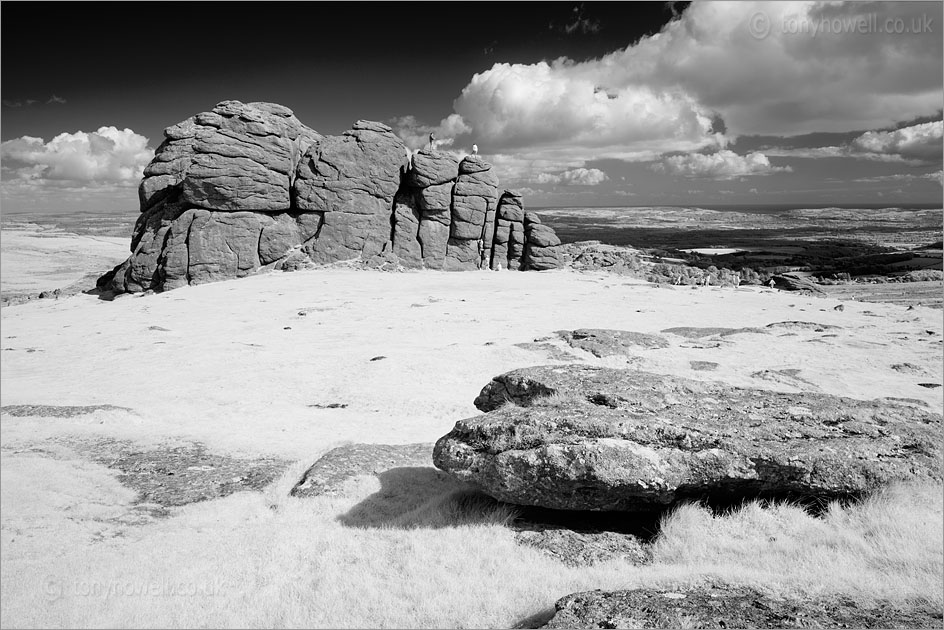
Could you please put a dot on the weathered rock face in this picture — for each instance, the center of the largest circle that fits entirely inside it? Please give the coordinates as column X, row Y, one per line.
column 634, row 441
column 247, row 186
column 793, row 282
column 541, row 244
column 724, row 606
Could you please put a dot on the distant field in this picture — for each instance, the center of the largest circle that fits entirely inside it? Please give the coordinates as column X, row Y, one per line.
column 930, row 293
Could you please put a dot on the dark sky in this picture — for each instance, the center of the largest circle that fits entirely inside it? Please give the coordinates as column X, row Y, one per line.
column 148, row 65
column 592, row 103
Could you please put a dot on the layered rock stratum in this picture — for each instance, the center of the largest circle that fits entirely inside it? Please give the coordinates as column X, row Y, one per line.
column 247, row 186
column 576, row 437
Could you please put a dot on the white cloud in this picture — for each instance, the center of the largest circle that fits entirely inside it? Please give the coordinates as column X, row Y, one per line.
column 549, row 108
column 918, row 142
column 574, row 177
column 786, row 79
column 106, row 157
column 720, row 165
column 666, row 93
column 937, row 177
column 416, row 134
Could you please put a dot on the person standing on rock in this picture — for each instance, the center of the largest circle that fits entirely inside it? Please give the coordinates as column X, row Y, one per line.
column 481, row 247
column 432, row 142
column 475, row 149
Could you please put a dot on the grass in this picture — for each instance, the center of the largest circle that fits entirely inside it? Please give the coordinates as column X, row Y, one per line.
column 371, row 558
column 890, row 545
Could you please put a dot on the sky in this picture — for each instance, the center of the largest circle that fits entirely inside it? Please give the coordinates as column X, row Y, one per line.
column 575, row 104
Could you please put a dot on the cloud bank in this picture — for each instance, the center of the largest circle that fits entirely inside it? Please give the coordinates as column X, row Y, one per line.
column 708, row 77
column 720, row 165
column 106, row 157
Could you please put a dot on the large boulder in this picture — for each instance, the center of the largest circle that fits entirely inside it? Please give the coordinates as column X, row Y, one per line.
column 794, row 282
column 541, row 250
column 583, row 438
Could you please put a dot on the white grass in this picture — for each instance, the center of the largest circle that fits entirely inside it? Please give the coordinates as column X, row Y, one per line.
column 266, row 559
column 890, row 545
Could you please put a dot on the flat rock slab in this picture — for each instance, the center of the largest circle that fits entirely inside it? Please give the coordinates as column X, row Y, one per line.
column 180, row 475
column 730, row 607
column 586, row 548
column 57, row 411
column 602, row 342
column 334, row 468
column 798, row 325
column 587, row 438
column 693, row 332
column 169, row 475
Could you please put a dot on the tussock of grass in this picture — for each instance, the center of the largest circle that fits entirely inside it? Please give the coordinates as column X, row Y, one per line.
column 890, row 545
column 556, row 399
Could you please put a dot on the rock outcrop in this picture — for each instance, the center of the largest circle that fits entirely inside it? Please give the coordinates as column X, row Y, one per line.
column 609, row 439
column 247, row 186
column 794, row 282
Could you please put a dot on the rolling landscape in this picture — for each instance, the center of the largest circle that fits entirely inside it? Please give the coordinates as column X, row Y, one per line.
column 586, row 315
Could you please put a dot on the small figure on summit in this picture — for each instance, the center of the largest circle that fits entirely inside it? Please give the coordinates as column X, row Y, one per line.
column 432, row 142
column 475, row 149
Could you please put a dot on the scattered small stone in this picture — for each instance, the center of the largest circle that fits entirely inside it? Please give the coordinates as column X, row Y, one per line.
column 929, row 385
column 908, row 368
column 839, row 307
column 703, row 366
column 379, row 357
column 329, row 406
column 287, row 328
column 158, row 328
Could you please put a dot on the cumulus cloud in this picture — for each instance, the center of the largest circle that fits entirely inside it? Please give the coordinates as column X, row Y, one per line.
column 415, row 135
column 918, row 142
column 558, row 107
column 106, row 157
column 707, row 75
column 574, row 177
column 720, row 165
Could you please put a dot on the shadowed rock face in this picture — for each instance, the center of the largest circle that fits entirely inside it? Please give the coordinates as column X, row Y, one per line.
column 247, row 186
column 722, row 606
column 631, row 440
